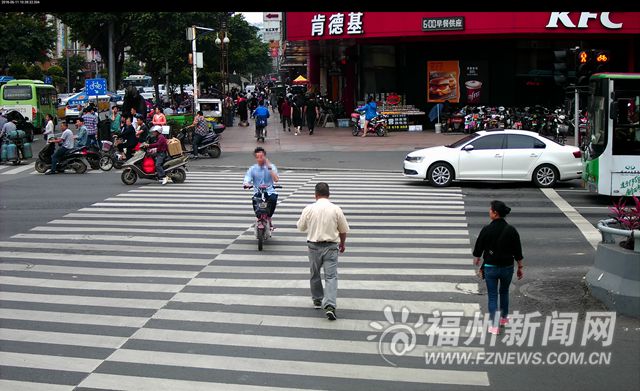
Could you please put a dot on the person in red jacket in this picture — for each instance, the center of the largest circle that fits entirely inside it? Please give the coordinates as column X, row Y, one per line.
column 160, row 149
column 285, row 112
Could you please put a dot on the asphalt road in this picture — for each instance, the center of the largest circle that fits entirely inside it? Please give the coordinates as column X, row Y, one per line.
column 149, row 336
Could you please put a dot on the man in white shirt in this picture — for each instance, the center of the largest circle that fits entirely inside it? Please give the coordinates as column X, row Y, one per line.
column 325, row 225
column 67, row 141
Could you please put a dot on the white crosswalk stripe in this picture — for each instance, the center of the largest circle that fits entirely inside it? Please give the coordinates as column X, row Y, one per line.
column 163, row 288
column 18, row 169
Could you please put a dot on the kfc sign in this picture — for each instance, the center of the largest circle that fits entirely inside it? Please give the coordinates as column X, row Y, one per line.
column 583, row 21
column 336, row 24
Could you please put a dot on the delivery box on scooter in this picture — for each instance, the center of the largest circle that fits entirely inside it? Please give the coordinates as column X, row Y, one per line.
column 174, row 146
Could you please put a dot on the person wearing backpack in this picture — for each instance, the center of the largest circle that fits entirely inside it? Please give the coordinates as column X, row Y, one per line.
column 499, row 245
column 261, row 114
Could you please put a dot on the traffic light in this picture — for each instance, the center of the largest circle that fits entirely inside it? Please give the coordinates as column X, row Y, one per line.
column 584, row 67
column 560, row 67
column 601, row 60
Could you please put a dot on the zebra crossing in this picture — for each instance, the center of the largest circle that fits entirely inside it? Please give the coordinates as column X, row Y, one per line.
column 29, row 168
column 163, row 288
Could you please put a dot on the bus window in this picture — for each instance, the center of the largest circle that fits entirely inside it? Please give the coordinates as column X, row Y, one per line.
column 626, row 127
column 598, row 127
column 17, row 93
column 44, row 96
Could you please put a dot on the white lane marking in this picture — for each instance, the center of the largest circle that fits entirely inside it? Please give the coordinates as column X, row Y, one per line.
column 68, row 317
column 56, row 363
column 587, row 229
column 15, row 385
column 301, row 368
column 414, row 306
column 105, row 381
column 367, row 285
column 18, row 170
column 96, row 341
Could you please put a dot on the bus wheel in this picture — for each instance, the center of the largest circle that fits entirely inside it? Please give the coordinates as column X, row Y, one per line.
column 545, row 176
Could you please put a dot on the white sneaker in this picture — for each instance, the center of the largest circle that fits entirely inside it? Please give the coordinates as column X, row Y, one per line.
column 165, row 180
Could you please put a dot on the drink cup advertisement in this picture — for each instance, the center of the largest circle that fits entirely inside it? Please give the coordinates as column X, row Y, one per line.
column 474, row 83
column 443, row 81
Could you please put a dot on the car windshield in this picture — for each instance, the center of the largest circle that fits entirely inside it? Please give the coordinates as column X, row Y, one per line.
column 463, row 140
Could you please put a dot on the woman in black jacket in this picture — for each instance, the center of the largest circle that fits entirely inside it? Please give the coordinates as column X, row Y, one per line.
column 499, row 245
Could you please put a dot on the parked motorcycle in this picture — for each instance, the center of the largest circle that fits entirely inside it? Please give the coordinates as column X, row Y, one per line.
column 210, row 143
column 377, row 124
column 263, row 221
column 75, row 159
column 141, row 165
column 110, row 157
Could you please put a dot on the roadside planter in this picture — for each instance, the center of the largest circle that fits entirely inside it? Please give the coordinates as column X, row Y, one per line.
column 614, row 277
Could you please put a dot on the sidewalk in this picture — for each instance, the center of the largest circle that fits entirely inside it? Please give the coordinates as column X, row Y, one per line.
column 242, row 139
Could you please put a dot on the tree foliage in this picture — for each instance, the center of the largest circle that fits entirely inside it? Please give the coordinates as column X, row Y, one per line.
column 26, row 37
column 19, row 71
column 76, row 64
column 159, row 38
column 34, row 72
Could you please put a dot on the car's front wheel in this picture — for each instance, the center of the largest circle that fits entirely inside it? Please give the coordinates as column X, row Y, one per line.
column 545, row 176
column 440, row 174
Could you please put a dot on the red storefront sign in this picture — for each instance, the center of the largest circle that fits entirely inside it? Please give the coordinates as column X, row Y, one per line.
column 361, row 24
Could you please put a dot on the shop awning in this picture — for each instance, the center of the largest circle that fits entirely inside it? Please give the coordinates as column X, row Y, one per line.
column 300, row 80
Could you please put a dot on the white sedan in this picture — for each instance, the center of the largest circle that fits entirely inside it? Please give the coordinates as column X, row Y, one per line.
column 496, row 155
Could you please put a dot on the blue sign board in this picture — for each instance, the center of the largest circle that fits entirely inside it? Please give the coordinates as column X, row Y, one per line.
column 48, row 80
column 95, row 86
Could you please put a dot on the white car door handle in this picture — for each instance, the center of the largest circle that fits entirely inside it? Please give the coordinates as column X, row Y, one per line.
column 534, row 155
column 498, row 155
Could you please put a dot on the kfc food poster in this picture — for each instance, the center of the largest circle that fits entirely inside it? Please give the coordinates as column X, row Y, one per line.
column 443, row 81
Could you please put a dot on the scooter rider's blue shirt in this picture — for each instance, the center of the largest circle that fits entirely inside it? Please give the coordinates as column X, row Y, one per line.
column 370, row 110
column 260, row 175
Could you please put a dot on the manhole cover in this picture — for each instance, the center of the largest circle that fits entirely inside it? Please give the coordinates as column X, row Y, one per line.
column 551, row 291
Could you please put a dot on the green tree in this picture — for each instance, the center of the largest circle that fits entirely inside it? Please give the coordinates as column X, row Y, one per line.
column 130, row 67
column 26, row 37
column 76, row 64
column 19, row 71
column 158, row 39
column 92, row 29
column 34, row 72
column 59, row 80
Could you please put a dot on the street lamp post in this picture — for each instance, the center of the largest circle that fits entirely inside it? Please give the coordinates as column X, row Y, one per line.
column 191, row 36
column 223, row 43
column 224, row 59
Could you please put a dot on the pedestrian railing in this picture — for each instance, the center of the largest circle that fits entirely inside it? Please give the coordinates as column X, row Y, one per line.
column 609, row 234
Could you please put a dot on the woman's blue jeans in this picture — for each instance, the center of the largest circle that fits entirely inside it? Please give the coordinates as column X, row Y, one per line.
column 498, row 280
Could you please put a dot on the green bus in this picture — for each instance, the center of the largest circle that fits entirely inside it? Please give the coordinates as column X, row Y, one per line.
column 32, row 98
column 612, row 160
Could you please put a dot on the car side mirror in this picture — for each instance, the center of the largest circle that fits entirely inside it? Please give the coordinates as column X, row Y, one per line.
column 468, row 148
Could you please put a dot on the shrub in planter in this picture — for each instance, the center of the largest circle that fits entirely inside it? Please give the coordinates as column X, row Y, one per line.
column 628, row 217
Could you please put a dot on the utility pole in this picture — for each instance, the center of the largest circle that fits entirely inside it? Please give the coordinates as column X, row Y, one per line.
column 195, row 70
column 66, row 50
column 112, row 60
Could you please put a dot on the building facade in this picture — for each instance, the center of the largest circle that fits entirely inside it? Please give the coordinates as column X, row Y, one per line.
column 482, row 58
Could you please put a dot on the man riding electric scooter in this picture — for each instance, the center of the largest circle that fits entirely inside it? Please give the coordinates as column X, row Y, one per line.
column 262, row 173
